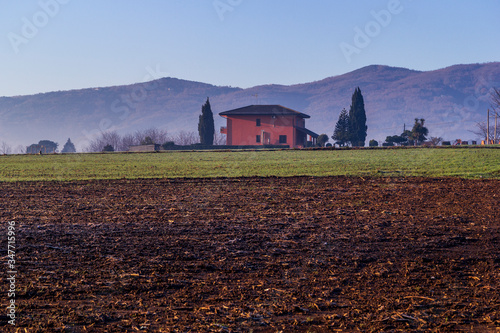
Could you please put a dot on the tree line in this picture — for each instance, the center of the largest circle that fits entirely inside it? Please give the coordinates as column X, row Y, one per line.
column 415, row 137
column 112, row 141
column 50, row 147
column 351, row 128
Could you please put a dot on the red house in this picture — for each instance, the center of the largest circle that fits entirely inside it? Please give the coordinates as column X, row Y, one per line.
column 267, row 125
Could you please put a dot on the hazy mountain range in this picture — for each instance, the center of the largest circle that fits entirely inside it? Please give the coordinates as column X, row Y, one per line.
column 451, row 100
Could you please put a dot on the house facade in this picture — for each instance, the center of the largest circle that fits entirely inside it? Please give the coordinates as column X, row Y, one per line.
column 267, row 125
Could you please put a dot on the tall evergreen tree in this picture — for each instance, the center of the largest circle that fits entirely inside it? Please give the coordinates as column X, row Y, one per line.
column 69, row 147
column 419, row 132
column 341, row 132
column 357, row 120
column 206, row 127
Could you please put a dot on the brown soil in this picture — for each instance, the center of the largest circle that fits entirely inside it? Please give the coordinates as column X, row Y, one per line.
column 296, row 254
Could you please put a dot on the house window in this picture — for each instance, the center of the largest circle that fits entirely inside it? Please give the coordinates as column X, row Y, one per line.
column 257, row 139
column 282, row 138
column 257, row 122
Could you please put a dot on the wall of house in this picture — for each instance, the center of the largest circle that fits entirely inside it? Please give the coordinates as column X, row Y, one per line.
column 243, row 130
column 229, row 131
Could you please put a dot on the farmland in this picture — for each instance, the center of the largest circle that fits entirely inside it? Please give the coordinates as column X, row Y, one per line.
column 456, row 162
column 294, row 241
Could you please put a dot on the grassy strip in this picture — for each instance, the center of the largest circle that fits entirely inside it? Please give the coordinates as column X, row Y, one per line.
column 467, row 163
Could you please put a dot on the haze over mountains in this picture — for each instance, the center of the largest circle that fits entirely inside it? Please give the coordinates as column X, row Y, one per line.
column 451, row 100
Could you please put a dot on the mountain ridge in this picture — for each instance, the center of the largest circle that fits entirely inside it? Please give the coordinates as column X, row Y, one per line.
column 451, row 100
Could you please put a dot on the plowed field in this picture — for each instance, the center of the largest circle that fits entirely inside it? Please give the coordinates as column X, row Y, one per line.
column 255, row 254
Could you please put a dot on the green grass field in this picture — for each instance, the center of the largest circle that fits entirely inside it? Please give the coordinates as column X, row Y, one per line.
column 461, row 162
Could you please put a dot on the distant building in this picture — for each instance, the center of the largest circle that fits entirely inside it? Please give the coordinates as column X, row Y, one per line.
column 144, row 148
column 267, row 125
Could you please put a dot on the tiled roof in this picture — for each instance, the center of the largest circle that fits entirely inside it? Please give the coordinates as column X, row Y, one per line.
column 263, row 110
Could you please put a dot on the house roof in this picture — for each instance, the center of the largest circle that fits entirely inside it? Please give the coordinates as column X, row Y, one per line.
column 264, row 110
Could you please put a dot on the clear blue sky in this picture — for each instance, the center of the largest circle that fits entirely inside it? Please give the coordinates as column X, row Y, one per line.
column 89, row 43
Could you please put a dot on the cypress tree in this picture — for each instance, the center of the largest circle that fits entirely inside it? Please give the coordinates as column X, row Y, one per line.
column 357, row 120
column 69, row 147
column 341, row 132
column 206, row 127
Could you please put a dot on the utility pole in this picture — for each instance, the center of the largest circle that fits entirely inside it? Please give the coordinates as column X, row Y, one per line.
column 495, row 137
column 488, row 128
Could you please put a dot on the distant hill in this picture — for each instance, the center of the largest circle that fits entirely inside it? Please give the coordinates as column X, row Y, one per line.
column 450, row 99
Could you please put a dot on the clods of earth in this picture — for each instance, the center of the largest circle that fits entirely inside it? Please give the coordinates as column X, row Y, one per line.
column 301, row 254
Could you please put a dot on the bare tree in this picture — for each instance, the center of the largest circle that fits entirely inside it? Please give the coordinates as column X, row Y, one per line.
column 157, row 135
column 186, row 138
column 219, row 139
column 434, row 141
column 127, row 141
column 5, row 149
column 112, row 138
column 495, row 99
column 106, row 138
column 20, row 149
column 95, row 146
column 123, row 143
column 482, row 131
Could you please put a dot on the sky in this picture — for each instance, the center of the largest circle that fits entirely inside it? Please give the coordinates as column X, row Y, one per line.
column 52, row 45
